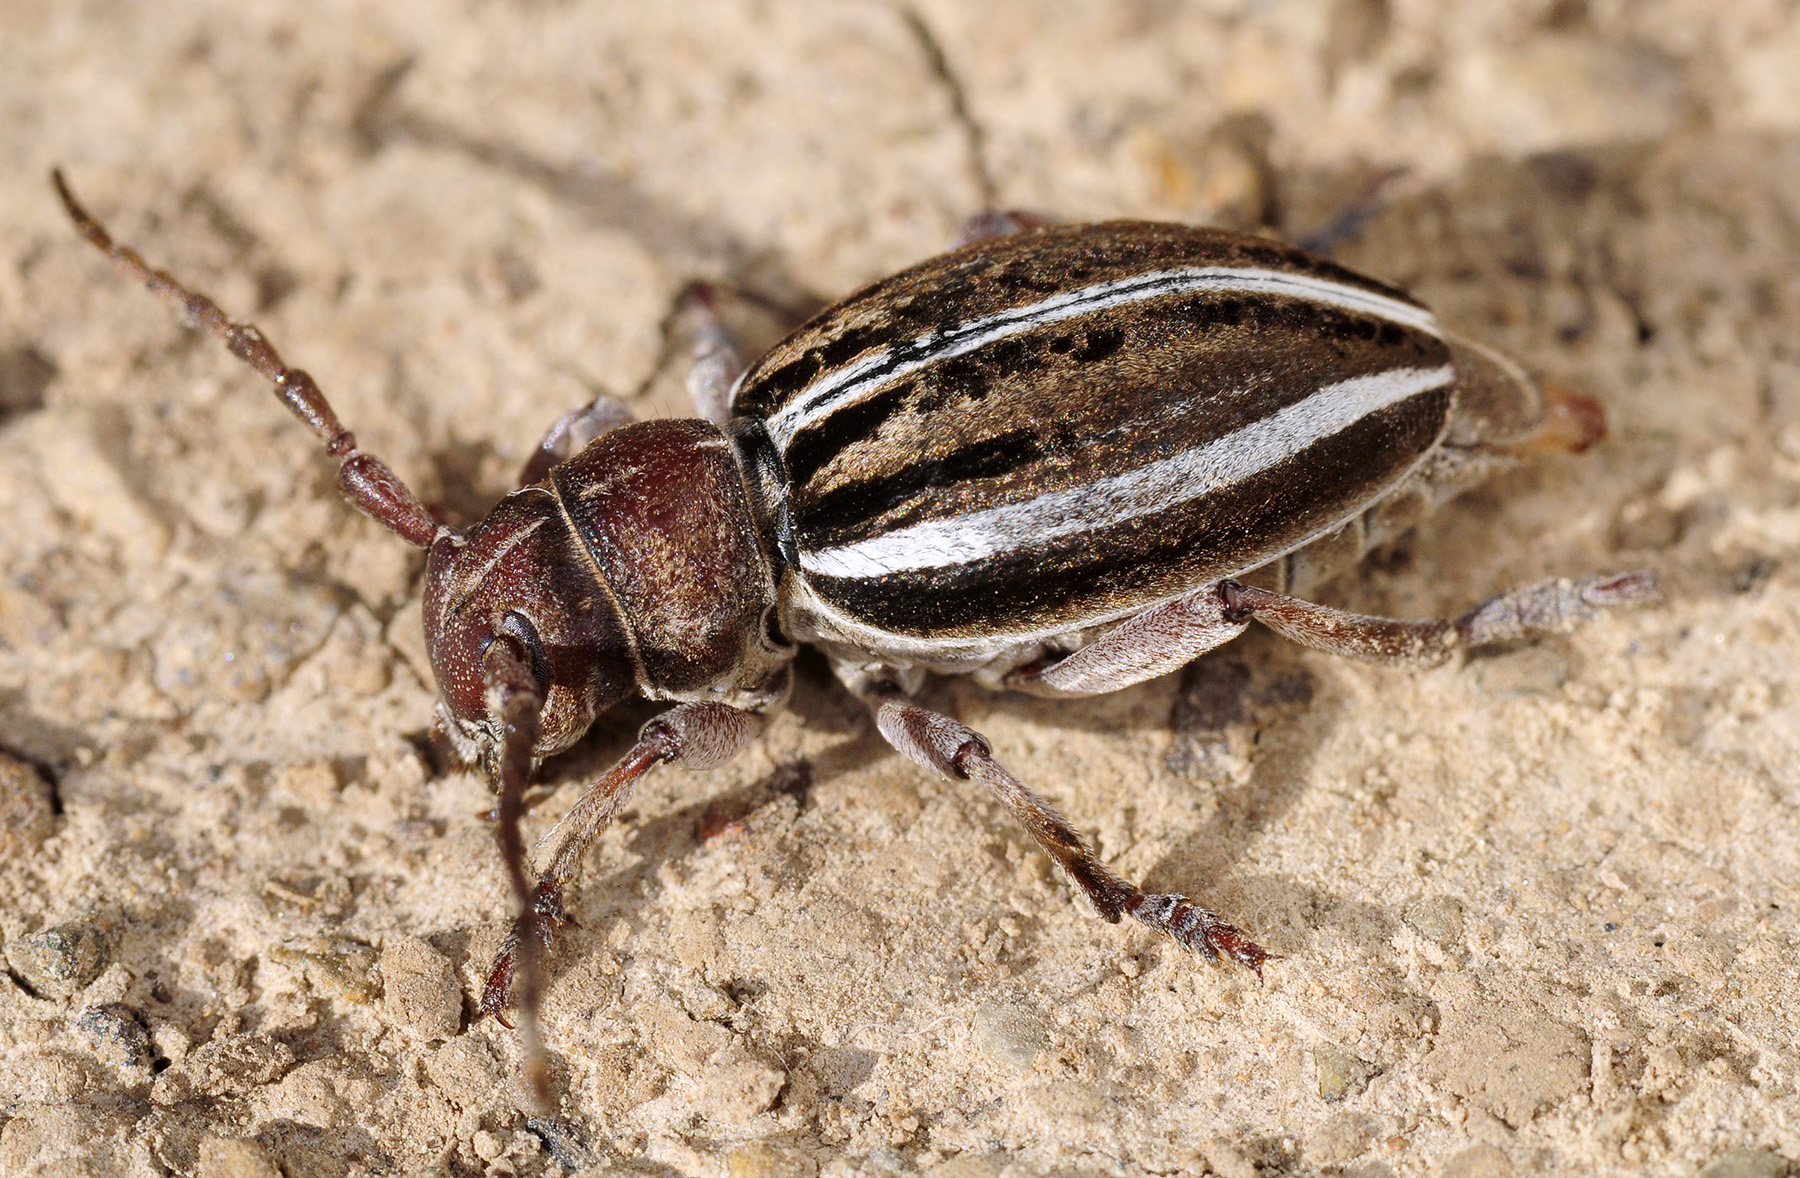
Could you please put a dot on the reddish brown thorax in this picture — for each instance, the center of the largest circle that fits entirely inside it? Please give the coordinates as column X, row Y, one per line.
column 680, row 611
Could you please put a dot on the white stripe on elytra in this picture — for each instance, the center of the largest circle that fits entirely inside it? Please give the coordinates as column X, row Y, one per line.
column 1147, row 490
column 848, row 385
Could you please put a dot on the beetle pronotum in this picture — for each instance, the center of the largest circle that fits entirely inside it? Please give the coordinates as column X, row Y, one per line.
column 1060, row 459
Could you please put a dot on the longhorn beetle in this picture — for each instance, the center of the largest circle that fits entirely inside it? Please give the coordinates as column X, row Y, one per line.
column 1060, row 459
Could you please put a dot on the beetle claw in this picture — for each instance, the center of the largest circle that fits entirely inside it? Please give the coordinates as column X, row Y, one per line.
column 546, row 902
column 1198, row 929
column 498, row 986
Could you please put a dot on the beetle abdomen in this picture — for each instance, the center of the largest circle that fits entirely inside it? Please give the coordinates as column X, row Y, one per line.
column 1045, row 430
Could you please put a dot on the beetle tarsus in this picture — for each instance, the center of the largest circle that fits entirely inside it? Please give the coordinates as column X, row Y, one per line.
column 1548, row 607
column 1553, row 606
column 1198, row 929
column 547, row 904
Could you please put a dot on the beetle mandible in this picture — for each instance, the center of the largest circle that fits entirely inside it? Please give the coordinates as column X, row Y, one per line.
column 1060, row 459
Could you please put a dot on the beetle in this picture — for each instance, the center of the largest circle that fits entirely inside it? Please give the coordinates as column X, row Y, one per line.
column 1059, row 459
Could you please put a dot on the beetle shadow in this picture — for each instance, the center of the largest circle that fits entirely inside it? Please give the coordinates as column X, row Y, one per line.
column 687, row 244
column 1216, row 863
column 629, row 890
column 1245, row 727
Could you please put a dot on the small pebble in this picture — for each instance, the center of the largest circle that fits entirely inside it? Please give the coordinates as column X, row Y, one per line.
column 419, row 990
column 486, row 1145
column 235, row 1157
column 26, row 814
column 1340, row 1073
column 1438, row 919
column 739, row 1084
column 1010, row 1033
column 1747, row 1163
column 563, row 1143
column 60, row 960
column 229, row 1065
column 1226, row 1160
column 341, row 966
column 118, row 1037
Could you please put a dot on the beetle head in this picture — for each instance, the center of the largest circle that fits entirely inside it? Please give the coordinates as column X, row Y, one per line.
column 521, row 574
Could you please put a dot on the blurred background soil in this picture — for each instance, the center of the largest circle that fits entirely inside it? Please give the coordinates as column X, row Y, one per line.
column 1538, row 911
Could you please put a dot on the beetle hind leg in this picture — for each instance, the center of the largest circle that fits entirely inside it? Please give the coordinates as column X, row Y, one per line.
column 954, row 751
column 1548, row 607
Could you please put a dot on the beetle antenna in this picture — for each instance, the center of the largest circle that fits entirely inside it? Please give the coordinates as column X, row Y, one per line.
column 365, row 480
column 515, row 699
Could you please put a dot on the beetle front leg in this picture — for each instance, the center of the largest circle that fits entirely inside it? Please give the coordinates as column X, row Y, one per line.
column 572, row 432
column 691, row 736
column 1549, row 607
column 954, row 751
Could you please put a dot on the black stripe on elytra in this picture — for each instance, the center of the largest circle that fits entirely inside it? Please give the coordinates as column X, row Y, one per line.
column 812, row 448
column 1085, row 342
column 968, row 378
column 848, row 509
column 1223, row 533
column 786, row 381
column 826, row 356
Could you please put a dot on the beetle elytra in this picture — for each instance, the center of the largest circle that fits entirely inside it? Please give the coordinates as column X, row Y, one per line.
column 1062, row 460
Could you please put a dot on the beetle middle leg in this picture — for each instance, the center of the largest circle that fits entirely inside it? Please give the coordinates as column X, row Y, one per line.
column 716, row 364
column 959, row 753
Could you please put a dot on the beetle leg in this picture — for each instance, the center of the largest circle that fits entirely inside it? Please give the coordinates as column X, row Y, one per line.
column 1538, row 609
column 1572, row 422
column 1163, row 638
column 1348, row 222
column 994, row 223
column 365, row 480
column 572, row 432
column 716, row 364
column 691, row 736
column 959, row 753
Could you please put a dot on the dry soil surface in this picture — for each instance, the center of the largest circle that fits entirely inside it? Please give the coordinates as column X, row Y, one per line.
column 1538, row 911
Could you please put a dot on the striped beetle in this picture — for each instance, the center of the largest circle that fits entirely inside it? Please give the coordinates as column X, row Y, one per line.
column 1060, row 459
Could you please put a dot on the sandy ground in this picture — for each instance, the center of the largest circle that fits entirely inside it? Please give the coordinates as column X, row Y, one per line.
column 1539, row 911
